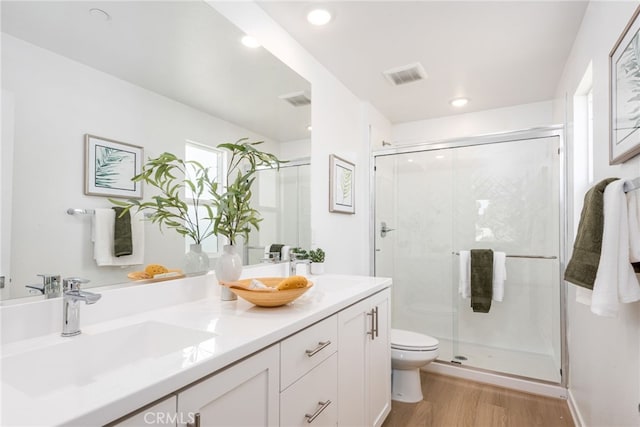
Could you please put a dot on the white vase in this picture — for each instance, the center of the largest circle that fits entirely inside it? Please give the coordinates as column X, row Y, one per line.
column 196, row 261
column 317, row 268
column 228, row 269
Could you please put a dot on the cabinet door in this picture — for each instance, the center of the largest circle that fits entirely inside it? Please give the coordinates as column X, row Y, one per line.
column 379, row 364
column 313, row 399
column 245, row 394
column 353, row 324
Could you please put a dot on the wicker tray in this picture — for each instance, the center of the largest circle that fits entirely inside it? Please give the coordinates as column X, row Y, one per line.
column 269, row 299
column 138, row 276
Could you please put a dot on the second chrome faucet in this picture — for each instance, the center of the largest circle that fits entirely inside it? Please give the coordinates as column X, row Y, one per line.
column 71, row 305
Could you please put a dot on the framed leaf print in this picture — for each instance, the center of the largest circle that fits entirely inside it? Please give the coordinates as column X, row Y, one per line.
column 341, row 185
column 110, row 166
column 624, row 81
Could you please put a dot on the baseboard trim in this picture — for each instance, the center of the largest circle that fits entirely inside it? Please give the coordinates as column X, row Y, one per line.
column 534, row 387
column 575, row 412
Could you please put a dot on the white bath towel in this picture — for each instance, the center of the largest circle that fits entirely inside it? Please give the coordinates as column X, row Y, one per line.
column 464, row 283
column 102, row 237
column 615, row 280
column 499, row 275
column 633, row 205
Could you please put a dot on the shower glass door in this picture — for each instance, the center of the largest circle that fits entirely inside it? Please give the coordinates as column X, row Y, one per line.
column 502, row 196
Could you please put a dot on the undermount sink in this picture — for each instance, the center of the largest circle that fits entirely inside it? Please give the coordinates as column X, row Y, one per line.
column 87, row 357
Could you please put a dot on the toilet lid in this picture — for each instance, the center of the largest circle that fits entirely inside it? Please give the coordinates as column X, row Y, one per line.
column 407, row 340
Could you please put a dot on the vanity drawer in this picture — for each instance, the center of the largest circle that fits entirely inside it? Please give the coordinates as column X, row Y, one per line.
column 313, row 399
column 306, row 349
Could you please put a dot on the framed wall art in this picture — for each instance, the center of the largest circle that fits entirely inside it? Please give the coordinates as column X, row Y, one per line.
column 109, row 167
column 624, row 87
column 341, row 185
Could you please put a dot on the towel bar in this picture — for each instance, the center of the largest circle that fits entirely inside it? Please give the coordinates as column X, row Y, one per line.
column 522, row 256
column 631, row 185
column 72, row 211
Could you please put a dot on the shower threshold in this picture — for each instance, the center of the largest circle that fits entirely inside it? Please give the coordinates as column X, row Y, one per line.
column 536, row 366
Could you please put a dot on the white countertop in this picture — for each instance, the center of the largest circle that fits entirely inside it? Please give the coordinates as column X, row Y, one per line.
column 236, row 329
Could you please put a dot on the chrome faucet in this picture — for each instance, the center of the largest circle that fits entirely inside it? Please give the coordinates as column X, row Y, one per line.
column 71, row 305
column 293, row 263
column 50, row 286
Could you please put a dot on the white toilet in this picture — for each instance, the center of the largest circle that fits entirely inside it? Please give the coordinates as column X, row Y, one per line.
column 410, row 351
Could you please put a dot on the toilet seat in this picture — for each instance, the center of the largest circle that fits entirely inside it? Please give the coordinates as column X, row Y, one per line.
column 412, row 341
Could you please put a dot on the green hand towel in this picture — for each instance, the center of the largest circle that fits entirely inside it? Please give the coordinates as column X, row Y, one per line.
column 276, row 247
column 122, row 243
column 583, row 266
column 481, row 280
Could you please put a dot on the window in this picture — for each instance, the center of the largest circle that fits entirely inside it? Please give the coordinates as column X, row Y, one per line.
column 214, row 160
column 583, row 131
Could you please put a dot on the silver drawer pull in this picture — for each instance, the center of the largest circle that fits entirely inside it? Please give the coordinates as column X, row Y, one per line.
column 323, row 406
column 321, row 345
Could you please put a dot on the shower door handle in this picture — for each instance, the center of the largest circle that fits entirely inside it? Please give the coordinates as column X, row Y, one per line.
column 384, row 229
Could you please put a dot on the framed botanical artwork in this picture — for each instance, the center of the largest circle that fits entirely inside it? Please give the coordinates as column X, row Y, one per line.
column 624, row 102
column 341, row 185
column 109, row 167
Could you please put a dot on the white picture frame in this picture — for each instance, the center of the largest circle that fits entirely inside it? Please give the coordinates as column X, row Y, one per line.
column 110, row 166
column 341, row 185
column 624, row 94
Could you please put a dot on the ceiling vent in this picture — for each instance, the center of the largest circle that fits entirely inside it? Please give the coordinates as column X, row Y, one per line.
column 405, row 74
column 297, row 99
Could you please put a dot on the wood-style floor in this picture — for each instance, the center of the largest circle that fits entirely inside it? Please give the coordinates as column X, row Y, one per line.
column 450, row 401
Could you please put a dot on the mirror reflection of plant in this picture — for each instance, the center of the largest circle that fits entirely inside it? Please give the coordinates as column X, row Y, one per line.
column 234, row 214
column 168, row 173
column 299, row 253
column 228, row 210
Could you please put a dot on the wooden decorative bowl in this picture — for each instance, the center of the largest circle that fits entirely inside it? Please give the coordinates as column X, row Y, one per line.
column 269, row 299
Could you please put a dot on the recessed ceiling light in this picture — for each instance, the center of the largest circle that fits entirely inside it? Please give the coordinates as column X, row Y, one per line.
column 459, row 102
column 99, row 14
column 251, row 42
column 309, row 128
column 319, row 17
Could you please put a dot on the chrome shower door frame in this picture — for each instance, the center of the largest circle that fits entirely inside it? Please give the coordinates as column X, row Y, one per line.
column 512, row 136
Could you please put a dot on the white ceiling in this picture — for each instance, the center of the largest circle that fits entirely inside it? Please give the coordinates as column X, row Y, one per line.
column 183, row 50
column 497, row 53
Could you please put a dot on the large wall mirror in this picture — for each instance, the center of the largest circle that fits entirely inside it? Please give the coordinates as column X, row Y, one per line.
column 155, row 74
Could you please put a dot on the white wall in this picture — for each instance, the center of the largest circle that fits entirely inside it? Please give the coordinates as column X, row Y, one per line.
column 292, row 150
column 604, row 374
column 340, row 126
column 57, row 101
column 498, row 120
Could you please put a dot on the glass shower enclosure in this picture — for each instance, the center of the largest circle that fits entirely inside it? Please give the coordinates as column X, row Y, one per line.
column 502, row 193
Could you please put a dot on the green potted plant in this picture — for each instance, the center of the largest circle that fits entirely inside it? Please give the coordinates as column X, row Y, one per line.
column 234, row 216
column 316, row 256
column 217, row 209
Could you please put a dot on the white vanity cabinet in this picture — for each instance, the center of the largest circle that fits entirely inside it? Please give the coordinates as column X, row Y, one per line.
column 336, row 371
column 245, row 394
column 364, row 362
